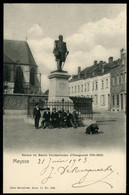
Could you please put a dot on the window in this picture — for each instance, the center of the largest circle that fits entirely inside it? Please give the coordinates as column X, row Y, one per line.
column 75, row 89
column 125, row 77
column 96, row 85
column 102, row 86
column 117, row 80
column 88, row 87
column 95, row 99
column 106, row 83
column 113, row 81
column 92, row 86
column 121, row 78
column 81, row 88
column 19, row 74
column 19, row 79
column 32, row 76
column 78, row 88
column 85, row 87
column 117, row 100
column 102, row 100
column 113, row 100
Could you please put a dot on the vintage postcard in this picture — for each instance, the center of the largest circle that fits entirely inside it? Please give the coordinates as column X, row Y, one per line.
column 64, row 100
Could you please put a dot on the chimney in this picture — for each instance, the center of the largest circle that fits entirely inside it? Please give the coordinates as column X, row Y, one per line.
column 119, row 61
column 72, row 76
column 102, row 65
column 123, row 55
column 110, row 60
column 95, row 62
column 122, row 51
column 79, row 72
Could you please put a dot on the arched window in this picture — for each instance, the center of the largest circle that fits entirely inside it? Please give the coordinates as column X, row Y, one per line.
column 19, row 73
column 18, row 85
column 6, row 74
column 32, row 76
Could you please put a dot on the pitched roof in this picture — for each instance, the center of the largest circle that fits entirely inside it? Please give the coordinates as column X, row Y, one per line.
column 7, row 59
column 18, row 52
column 88, row 72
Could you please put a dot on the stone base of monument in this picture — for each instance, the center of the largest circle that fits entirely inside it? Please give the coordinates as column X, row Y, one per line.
column 59, row 89
column 59, row 86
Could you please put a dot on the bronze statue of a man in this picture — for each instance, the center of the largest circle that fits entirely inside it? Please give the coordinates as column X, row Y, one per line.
column 60, row 51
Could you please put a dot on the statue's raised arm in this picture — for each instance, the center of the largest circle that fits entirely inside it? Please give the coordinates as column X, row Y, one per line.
column 60, row 51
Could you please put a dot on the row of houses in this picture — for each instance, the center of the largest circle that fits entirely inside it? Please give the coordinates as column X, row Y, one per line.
column 104, row 82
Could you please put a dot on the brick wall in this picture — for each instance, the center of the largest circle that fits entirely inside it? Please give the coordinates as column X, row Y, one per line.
column 18, row 103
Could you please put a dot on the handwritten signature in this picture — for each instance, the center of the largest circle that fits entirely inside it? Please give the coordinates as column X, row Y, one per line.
column 72, row 167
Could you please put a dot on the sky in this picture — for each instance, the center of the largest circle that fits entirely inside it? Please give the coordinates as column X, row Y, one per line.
column 91, row 31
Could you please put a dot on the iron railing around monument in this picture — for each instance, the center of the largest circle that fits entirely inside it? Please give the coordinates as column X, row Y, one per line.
column 66, row 105
column 83, row 106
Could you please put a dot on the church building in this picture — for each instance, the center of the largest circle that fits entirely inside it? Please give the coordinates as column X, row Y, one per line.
column 20, row 71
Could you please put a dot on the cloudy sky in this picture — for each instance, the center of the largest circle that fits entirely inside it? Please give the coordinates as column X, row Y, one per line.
column 91, row 31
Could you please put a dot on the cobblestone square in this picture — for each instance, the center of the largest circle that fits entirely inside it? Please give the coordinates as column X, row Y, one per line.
column 22, row 136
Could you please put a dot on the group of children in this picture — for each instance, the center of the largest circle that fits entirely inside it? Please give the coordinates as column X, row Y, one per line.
column 59, row 119
column 55, row 119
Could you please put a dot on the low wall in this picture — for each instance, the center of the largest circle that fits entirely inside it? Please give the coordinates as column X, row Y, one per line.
column 17, row 104
column 23, row 104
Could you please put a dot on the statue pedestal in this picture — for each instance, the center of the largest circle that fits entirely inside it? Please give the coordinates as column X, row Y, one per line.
column 59, row 86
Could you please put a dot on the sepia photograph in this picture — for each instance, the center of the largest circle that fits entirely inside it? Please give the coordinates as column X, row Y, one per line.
column 64, row 98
